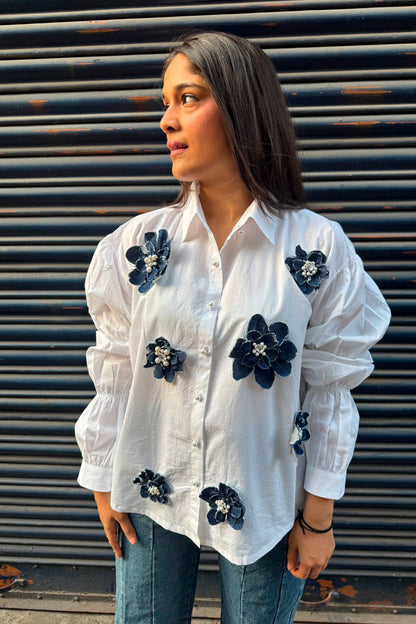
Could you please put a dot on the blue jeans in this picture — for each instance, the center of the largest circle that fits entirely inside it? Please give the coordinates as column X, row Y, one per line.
column 156, row 580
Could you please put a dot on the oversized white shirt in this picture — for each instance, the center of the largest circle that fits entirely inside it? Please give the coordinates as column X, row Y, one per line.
column 205, row 427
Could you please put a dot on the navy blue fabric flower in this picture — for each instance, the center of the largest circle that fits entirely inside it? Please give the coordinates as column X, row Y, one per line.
column 153, row 486
column 308, row 269
column 266, row 350
column 150, row 259
column 166, row 360
column 225, row 505
column 300, row 433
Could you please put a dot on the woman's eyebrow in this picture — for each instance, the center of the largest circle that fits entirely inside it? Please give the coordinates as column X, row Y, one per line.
column 186, row 85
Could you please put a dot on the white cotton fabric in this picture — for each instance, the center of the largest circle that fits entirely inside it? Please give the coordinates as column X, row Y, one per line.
column 206, row 427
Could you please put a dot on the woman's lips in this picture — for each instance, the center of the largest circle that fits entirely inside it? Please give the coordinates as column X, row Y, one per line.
column 176, row 148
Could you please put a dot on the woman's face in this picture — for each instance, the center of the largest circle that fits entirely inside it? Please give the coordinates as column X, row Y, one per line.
column 193, row 127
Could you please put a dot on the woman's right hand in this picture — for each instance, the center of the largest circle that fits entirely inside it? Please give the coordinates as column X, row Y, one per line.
column 110, row 519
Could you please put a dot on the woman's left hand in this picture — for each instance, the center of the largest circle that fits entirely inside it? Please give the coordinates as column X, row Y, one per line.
column 308, row 554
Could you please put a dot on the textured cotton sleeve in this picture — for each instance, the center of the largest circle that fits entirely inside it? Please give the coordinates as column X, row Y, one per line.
column 349, row 316
column 109, row 367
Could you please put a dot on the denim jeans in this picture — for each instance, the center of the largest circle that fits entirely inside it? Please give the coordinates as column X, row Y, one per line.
column 156, row 580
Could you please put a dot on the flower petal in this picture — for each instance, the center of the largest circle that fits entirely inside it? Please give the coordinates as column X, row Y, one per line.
column 136, row 277
column 145, row 287
column 269, row 339
column 264, row 378
column 159, row 372
column 169, row 374
column 302, row 419
column 301, row 253
column 236, row 524
column 272, row 354
column 287, row 350
column 253, row 336
column 297, row 447
column 317, row 256
column 258, row 323
column 280, row 330
column 298, row 264
column 305, row 435
column 263, row 362
column 314, row 280
column 240, row 371
column 236, row 510
column 208, row 492
column 236, row 350
column 162, row 238
column 248, row 360
column 150, row 241
column 283, row 369
column 212, row 517
column 133, row 254
column 301, row 279
column 323, row 272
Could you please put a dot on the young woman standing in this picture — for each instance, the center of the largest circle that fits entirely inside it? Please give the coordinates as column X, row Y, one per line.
column 231, row 328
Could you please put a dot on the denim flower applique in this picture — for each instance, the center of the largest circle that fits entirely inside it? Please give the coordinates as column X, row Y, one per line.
column 225, row 505
column 308, row 269
column 153, row 486
column 166, row 360
column 265, row 349
column 151, row 260
column 300, row 433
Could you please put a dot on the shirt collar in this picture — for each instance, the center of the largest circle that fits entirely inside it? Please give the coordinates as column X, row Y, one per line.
column 266, row 222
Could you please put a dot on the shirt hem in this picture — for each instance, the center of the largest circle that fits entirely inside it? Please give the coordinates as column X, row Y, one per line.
column 232, row 558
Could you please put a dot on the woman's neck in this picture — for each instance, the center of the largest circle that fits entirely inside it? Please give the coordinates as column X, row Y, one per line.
column 223, row 206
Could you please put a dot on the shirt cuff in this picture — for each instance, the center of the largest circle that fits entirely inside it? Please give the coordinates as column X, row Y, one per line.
column 324, row 483
column 96, row 478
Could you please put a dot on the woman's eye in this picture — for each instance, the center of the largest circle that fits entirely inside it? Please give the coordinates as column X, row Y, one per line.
column 187, row 98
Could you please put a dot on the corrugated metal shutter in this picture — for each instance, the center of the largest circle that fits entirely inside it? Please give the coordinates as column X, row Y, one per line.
column 81, row 152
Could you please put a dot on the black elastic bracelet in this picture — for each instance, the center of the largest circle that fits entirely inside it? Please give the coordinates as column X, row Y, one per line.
column 305, row 526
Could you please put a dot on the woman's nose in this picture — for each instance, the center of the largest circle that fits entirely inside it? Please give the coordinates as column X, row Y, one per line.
column 169, row 121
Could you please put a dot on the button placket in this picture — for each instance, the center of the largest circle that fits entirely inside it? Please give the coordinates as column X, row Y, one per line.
column 210, row 303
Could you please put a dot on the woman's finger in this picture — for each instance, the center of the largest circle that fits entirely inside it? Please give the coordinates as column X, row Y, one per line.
column 111, row 533
column 292, row 557
column 127, row 528
column 302, row 572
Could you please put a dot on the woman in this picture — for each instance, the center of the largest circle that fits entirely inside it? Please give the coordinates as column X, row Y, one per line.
column 231, row 328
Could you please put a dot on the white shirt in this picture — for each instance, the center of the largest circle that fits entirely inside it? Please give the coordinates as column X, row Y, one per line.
column 206, row 427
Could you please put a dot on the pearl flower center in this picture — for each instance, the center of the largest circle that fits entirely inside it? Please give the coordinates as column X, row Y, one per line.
column 154, row 490
column 162, row 356
column 259, row 348
column 150, row 262
column 309, row 269
column 222, row 506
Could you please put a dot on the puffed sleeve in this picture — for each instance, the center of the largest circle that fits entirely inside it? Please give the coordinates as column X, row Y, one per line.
column 109, row 367
column 349, row 316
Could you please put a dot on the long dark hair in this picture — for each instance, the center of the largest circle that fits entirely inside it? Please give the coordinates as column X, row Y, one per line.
column 254, row 113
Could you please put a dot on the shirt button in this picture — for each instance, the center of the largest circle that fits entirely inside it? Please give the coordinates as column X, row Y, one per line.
column 241, row 231
column 211, row 305
column 204, row 350
column 216, row 264
column 195, row 483
column 196, row 443
column 199, row 397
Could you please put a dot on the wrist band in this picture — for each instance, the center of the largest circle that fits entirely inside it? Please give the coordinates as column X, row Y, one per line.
column 305, row 526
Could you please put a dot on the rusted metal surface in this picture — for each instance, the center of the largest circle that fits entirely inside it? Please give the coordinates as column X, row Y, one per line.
column 81, row 152
column 10, row 578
